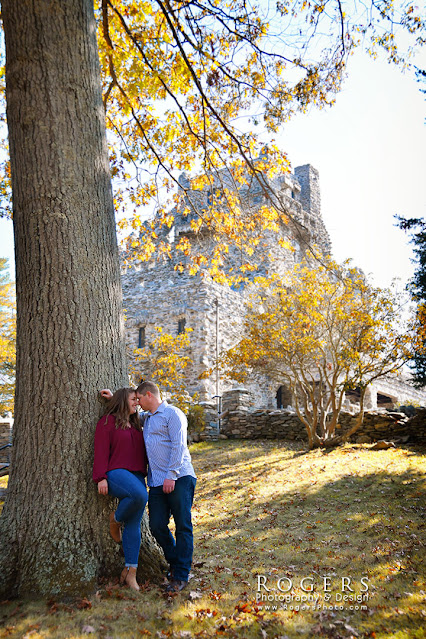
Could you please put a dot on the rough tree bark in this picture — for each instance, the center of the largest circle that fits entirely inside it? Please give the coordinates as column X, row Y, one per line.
column 53, row 530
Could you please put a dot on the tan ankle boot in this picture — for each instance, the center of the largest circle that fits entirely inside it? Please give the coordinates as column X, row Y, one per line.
column 114, row 528
column 128, row 577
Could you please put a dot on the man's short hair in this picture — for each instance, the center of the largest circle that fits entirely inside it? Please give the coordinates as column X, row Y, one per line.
column 143, row 388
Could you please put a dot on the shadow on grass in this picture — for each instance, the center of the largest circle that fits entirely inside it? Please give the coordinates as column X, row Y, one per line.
column 270, row 511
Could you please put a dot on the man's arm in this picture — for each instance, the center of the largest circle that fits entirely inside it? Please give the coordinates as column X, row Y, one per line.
column 105, row 392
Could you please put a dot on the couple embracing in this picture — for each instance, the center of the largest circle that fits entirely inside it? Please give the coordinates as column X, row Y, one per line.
column 124, row 455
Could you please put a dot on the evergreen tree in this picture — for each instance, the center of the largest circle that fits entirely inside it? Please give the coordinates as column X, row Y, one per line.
column 417, row 287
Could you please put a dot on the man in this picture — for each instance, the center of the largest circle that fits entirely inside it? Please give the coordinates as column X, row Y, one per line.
column 171, row 481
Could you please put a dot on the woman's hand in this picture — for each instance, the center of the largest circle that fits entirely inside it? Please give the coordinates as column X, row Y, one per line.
column 103, row 487
column 105, row 392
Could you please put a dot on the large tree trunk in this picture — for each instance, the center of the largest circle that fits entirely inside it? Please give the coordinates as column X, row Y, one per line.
column 53, row 531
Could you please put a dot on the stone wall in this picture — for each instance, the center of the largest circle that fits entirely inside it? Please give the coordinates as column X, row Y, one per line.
column 242, row 421
column 213, row 312
column 310, row 199
column 399, row 390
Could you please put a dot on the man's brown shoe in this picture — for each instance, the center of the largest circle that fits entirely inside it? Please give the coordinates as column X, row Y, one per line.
column 115, row 528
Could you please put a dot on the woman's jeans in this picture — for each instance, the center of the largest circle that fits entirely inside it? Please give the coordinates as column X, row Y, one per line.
column 130, row 489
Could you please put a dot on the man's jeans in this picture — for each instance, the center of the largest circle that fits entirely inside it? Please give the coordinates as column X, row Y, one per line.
column 130, row 489
column 177, row 503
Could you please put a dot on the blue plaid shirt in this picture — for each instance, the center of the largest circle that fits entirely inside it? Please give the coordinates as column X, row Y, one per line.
column 165, row 439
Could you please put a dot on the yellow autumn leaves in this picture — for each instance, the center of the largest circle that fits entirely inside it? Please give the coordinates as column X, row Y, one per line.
column 321, row 331
column 186, row 85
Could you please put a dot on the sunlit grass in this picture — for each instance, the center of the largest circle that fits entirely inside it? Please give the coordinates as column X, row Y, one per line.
column 270, row 511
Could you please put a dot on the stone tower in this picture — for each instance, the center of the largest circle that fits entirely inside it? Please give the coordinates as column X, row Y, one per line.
column 155, row 294
column 310, row 197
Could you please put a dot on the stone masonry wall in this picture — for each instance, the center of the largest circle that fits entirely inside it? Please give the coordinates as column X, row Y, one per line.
column 160, row 298
column 310, row 198
column 152, row 299
column 243, row 421
column 400, row 390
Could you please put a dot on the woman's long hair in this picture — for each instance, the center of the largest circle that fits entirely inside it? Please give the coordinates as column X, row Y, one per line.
column 118, row 406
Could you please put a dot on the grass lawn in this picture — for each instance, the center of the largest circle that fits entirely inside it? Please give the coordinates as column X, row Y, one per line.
column 348, row 522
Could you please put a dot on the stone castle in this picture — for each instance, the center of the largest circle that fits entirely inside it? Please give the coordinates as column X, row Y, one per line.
column 156, row 294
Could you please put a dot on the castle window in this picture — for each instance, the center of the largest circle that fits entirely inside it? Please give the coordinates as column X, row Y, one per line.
column 284, row 397
column 181, row 326
column 141, row 337
column 385, row 401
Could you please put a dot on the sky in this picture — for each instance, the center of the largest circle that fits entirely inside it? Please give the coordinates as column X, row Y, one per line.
column 369, row 149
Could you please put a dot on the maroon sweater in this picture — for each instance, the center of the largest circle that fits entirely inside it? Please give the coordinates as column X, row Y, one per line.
column 117, row 448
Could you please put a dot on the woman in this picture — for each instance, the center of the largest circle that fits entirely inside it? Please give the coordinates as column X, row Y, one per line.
column 119, row 469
